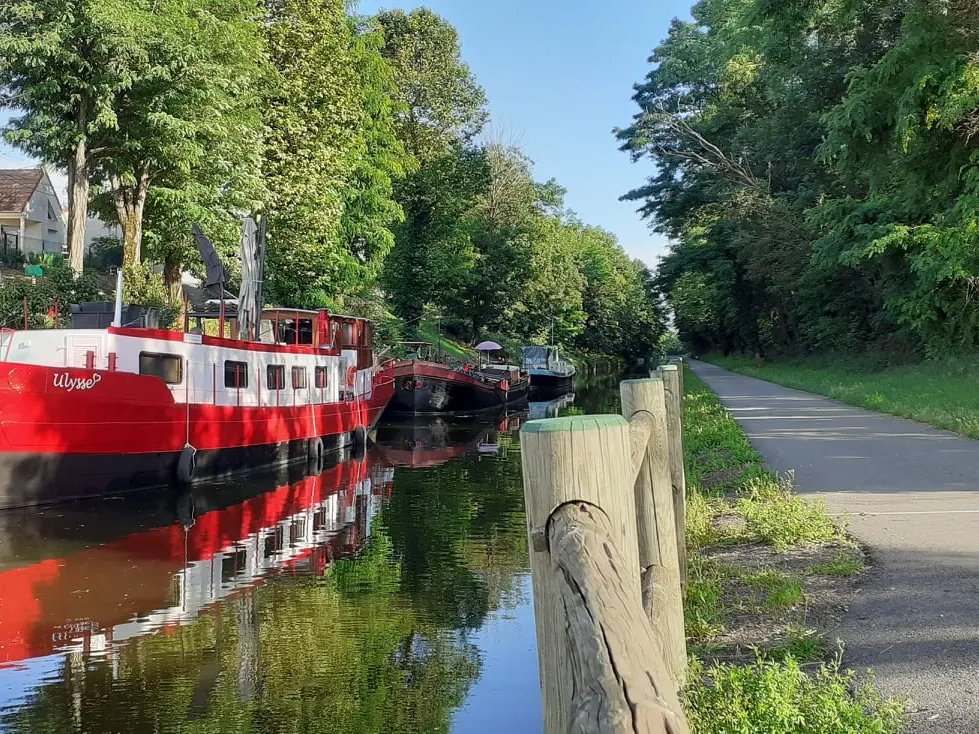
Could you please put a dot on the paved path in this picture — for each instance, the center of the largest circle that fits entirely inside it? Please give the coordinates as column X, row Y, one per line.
column 913, row 496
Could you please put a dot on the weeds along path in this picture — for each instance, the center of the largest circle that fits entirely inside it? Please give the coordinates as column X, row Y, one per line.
column 912, row 494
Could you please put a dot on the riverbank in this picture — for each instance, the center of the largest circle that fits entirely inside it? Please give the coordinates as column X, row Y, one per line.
column 770, row 575
column 942, row 393
column 586, row 363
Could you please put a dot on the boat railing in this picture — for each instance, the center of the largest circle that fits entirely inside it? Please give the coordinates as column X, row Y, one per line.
column 561, row 365
column 6, row 341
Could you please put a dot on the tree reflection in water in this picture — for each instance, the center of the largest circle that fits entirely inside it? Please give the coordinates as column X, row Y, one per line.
column 361, row 621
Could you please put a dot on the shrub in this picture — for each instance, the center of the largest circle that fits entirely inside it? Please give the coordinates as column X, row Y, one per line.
column 12, row 258
column 778, row 697
column 105, row 252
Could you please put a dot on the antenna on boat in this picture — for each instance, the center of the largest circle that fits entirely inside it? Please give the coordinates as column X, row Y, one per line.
column 117, row 314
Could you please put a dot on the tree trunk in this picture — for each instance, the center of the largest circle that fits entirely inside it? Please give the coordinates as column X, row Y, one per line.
column 172, row 268
column 77, row 203
column 130, row 202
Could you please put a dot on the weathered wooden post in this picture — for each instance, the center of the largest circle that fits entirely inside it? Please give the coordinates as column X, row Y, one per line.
column 601, row 666
column 672, row 375
column 656, row 524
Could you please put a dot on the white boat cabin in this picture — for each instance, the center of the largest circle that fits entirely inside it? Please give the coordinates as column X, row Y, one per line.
column 301, row 358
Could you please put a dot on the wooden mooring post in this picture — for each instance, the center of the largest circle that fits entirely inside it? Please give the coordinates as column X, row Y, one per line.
column 672, row 376
column 604, row 666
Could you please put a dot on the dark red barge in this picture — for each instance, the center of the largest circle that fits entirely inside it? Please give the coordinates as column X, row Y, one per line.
column 428, row 386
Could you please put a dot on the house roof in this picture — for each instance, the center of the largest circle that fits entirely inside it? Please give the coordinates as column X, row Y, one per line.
column 17, row 186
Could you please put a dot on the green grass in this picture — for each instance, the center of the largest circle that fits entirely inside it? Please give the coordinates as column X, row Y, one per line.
column 845, row 564
column 779, row 697
column 428, row 332
column 781, row 590
column 801, row 644
column 943, row 393
column 786, row 520
column 703, row 611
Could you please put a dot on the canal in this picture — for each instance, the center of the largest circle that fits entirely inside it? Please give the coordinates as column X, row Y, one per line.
column 389, row 594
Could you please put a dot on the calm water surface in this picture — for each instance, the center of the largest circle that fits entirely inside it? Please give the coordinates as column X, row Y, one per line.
column 389, row 594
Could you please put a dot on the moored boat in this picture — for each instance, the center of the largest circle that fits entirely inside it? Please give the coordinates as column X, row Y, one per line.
column 425, row 386
column 547, row 370
column 87, row 412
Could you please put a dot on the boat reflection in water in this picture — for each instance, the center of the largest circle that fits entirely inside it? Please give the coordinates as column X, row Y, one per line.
column 60, row 593
column 429, row 442
column 550, row 408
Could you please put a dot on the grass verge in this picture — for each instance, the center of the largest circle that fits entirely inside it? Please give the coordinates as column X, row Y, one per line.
column 943, row 393
column 769, row 573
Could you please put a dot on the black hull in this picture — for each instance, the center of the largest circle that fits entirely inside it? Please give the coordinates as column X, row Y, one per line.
column 28, row 479
column 552, row 383
column 438, row 396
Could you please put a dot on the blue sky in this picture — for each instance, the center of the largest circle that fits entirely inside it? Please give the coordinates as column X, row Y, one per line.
column 559, row 77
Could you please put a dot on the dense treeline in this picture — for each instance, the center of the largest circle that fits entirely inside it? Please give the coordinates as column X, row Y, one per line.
column 816, row 172
column 362, row 141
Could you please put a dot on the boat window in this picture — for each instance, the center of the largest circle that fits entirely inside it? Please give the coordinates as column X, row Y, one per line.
column 320, row 377
column 298, row 378
column 235, row 374
column 287, row 331
column 276, row 377
column 348, row 334
column 168, row 367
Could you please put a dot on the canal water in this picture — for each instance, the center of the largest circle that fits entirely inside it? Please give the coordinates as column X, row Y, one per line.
column 389, row 594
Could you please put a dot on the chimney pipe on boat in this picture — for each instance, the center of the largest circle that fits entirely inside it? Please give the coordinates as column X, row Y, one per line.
column 117, row 316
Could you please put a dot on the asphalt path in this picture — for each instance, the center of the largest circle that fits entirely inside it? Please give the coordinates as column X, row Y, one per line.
column 911, row 493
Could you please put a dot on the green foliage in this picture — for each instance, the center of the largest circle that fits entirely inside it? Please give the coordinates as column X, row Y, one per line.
column 63, row 65
column 105, row 253
column 57, row 284
column 780, row 590
column 779, row 697
column 48, row 260
column 775, row 515
column 439, row 103
column 313, row 147
column 12, row 258
column 817, row 173
column 802, row 644
column 703, row 609
column 433, row 256
column 844, row 564
column 191, row 115
column 143, row 287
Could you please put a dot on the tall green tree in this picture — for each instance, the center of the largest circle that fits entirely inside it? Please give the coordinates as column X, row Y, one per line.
column 332, row 154
column 370, row 211
column 191, row 119
column 63, row 66
column 311, row 145
column 439, row 110
column 814, row 169
column 433, row 257
column 440, row 102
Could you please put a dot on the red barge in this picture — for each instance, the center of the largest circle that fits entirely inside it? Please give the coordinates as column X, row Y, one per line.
column 88, row 412
column 424, row 384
